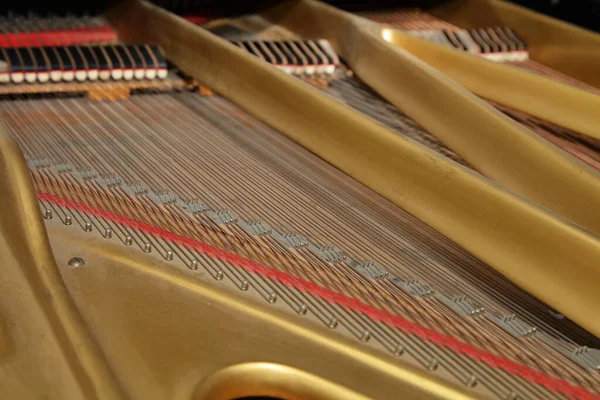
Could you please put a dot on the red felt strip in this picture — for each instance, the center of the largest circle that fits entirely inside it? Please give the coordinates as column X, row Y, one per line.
column 196, row 19
column 64, row 37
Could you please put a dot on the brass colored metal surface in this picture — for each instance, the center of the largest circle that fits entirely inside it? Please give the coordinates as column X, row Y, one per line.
column 513, row 87
column 156, row 332
column 169, row 332
column 350, row 90
column 272, row 379
column 354, row 93
column 45, row 346
column 310, row 291
column 494, row 144
column 208, row 151
column 417, row 20
column 581, row 146
column 557, row 44
column 490, row 222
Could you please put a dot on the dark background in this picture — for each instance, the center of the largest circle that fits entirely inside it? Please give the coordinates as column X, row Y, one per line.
column 585, row 13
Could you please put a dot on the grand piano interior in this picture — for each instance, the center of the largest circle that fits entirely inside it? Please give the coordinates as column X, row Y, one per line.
column 296, row 201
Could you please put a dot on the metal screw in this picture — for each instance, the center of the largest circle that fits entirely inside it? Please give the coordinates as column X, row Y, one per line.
column 76, row 262
column 472, row 381
column 303, row 309
column 399, row 350
column 365, row 336
column 433, row 365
